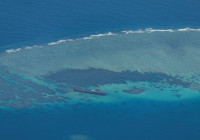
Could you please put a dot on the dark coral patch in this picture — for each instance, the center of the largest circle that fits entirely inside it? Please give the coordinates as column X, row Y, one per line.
column 95, row 77
column 134, row 91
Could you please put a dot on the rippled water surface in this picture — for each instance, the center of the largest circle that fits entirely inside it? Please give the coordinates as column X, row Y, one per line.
column 146, row 61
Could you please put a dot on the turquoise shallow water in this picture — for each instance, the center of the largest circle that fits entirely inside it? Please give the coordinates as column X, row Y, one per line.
column 151, row 78
column 161, row 64
column 141, row 53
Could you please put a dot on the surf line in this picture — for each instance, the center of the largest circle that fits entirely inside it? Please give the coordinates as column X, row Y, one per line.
column 139, row 31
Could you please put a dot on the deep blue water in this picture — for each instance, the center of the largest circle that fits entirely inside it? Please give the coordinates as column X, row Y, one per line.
column 25, row 22
column 33, row 22
column 139, row 119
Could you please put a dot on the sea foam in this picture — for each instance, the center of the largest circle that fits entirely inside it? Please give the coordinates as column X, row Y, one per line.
column 164, row 51
column 151, row 30
column 13, row 50
column 167, row 51
column 139, row 31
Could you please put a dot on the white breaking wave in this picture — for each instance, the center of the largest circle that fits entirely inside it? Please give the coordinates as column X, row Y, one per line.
column 99, row 35
column 151, row 30
column 165, row 51
column 188, row 29
column 147, row 30
column 19, row 49
column 60, row 41
column 132, row 31
column 84, row 38
column 13, row 50
column 31, row 47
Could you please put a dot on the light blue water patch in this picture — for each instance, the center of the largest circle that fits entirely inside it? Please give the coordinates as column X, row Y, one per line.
column 171, row 54
column 152, row 91
column 151, row 76
column 148, row 51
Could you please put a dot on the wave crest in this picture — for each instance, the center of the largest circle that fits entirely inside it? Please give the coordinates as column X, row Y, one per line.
column 139, row 31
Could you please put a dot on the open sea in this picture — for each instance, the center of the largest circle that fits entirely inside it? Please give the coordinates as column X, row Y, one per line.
column 144, row 54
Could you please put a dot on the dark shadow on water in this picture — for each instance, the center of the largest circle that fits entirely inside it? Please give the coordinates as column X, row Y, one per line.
column 135, row 91
column 95, row 77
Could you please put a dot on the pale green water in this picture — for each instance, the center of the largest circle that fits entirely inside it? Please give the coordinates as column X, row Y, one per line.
column 173, row 53
column 165, row 62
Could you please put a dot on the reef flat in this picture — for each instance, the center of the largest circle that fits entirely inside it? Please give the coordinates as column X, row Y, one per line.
column 150, row 64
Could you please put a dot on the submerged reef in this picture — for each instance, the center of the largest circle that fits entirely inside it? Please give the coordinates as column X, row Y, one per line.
column 160, row 64
column 95, row 77
column 19, row 91
column 134, row 91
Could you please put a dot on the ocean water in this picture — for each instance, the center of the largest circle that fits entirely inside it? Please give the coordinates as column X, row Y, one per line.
column 144, row 54
column 35, row 22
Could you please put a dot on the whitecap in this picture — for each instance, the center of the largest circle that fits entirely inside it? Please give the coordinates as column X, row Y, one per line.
column 13, row 50
column 147, row 30
column 150, row 30
column 53, row 43
column 60, row 41
column 188, row 29
column 184, row 29
column 132, row 31
column 98, row 35
column 93, row 36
